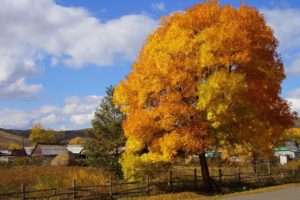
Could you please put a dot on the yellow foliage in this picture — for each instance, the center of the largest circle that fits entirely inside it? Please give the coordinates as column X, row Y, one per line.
column 293, row 134
column 77, row 140
column 39, row 134
column 206, row 75
column 14, row 146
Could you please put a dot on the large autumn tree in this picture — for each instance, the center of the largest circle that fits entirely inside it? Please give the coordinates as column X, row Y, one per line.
column 207, row 76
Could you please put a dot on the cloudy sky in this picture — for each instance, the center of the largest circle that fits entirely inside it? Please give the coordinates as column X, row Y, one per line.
column 58, row 56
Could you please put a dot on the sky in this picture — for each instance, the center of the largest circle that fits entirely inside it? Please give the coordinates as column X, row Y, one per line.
column 58, row 56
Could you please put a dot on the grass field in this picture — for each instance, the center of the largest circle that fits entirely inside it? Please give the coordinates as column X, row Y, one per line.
column 38, row 177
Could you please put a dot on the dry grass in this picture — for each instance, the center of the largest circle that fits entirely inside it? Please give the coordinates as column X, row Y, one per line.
column 177, row 196
column 37, row 178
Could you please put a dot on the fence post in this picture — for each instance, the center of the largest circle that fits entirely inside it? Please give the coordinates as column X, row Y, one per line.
column 256, row 178
column 238, row 174
column 269, row 169
column 220, row 175
column 148, row 185
column 110, row 187
column 220, row 179
column 281, row 172
column 294, row 172
column 74, row 186
column 54, row 192
column 195, row 178
column 23, row 197
column 171, row 180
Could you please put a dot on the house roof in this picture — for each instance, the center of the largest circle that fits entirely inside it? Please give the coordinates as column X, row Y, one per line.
column 19, row 152
column 289, row 146
column 5, row 151
column 75, row 148
column 29, row 150
column 49, row 149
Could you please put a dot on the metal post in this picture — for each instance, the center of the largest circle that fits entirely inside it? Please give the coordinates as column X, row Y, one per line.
column 74, row 185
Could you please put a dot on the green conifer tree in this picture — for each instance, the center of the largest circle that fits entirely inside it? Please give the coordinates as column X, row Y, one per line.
column 107, row 137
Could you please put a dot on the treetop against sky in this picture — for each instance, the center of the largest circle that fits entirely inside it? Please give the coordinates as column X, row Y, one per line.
column 57, row 57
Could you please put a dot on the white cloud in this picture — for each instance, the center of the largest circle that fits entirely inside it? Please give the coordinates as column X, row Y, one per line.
column 295, row 102
column 48, row 109
column 159, row 6
column 76, row 113
column 294, row 94
column 295, row 66
column 286, row 25
column 80, row 119
column 294, row 98
column 80, row 105
column 51, row 119
column 32, row 30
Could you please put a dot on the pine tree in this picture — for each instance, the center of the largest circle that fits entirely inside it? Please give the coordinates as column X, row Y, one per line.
column 107, row 137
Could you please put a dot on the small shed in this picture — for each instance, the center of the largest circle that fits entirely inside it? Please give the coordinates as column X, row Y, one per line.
column 50, row 150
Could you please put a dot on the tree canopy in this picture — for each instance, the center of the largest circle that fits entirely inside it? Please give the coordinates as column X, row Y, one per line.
column 77, row 140
column 40, row 134
column 208, row 76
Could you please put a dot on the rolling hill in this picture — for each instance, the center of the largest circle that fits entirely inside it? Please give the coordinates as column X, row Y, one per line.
column 8, row 136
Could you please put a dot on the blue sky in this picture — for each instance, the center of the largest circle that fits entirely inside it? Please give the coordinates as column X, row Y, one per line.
column 58, row 56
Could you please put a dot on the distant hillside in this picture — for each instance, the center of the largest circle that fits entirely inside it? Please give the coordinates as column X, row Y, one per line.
column 8, row 136
column 75, row 133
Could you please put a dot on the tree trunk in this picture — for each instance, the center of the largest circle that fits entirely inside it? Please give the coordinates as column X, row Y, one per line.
column 205, row 172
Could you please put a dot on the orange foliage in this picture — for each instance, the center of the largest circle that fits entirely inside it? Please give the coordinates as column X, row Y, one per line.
column 206, row 75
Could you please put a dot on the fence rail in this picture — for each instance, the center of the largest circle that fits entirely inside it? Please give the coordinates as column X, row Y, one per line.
column 173, row 181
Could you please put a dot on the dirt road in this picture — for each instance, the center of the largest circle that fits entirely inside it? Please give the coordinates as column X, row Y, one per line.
column 292, row 193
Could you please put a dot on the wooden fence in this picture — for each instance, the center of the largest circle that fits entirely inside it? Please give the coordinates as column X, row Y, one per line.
column 171, row 181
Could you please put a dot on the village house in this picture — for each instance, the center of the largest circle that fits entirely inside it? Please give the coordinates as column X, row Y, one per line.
column 18, row 153
column 5, row 155
column 288, row 152
column 76, row 149
column 47, row 150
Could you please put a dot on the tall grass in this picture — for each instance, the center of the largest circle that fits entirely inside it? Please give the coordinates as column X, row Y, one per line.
column 37, row 177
